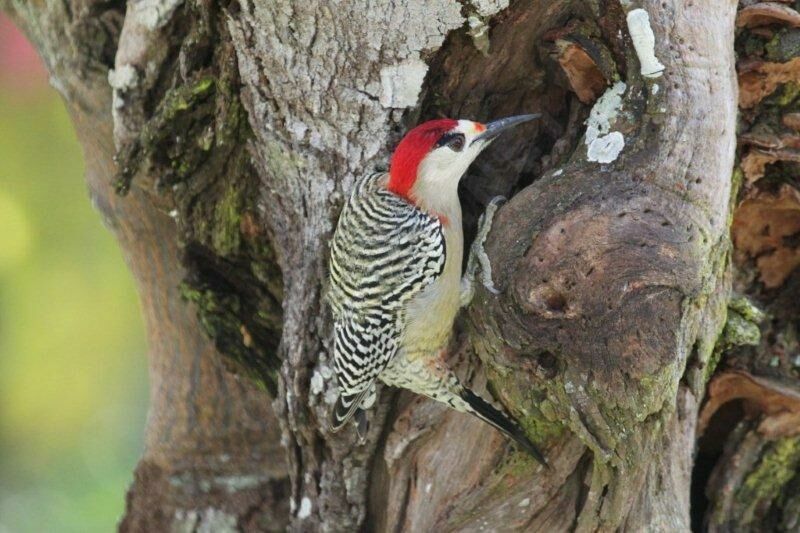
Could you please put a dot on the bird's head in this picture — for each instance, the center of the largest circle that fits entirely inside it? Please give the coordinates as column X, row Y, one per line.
column 431, row 159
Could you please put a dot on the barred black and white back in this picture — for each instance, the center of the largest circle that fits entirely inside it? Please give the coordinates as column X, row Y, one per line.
column 384, row 252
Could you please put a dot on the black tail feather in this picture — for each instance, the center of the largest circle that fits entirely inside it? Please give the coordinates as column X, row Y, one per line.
column 499, row 420
column 344, row 409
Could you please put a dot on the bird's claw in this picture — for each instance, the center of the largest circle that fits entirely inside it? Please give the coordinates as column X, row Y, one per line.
column 496, row 202
column 478, row 257
column 491, row 288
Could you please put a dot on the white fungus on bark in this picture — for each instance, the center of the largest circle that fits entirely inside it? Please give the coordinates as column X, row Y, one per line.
column 487, row 8
column 233, row 484
column 153, row 14
column 305, row 508
column 479, row 31
column 208, row 520
column 317, row 383
column 604, row 145
column 644, row 41
column 401, row 83
column 606, row 149
column 123, row 78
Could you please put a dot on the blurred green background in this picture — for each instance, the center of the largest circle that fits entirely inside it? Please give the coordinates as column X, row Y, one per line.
column 73, row 388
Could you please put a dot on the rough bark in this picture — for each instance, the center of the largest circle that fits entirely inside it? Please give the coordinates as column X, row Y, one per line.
column 221, row 138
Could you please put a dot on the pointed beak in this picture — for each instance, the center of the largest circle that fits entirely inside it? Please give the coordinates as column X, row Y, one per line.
column 496, row 127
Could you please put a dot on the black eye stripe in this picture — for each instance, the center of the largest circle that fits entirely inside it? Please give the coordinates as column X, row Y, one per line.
column 446, row 138
column 454, row 139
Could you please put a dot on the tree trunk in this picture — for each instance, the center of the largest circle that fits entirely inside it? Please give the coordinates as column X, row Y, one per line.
column 221, row 139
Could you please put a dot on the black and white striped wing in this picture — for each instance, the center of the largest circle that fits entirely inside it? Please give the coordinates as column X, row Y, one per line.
column 385, row 251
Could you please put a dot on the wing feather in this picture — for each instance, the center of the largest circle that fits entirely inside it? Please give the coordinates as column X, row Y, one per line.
column 384, row 252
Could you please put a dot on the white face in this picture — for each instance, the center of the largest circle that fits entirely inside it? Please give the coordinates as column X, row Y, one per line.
column 441, row 170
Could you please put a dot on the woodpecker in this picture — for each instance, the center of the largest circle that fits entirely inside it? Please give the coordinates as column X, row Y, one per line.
column 395, row 274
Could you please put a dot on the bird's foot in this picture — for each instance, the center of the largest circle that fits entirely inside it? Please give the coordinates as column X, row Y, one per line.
column 477, row 255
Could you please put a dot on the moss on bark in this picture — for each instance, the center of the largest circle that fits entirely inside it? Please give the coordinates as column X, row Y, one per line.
column 195, row 145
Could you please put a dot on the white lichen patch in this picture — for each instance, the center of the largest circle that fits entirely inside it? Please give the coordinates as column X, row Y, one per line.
column 297, row 129
column 305, row 508
column 486, row 8
column 604, row 145
column 123, row 78
column 153, row 14
column 331, row 395
column 479, row 31
column 217, row 521
column 233, row 484
column 184, row 521
column 644, row 41
column 323, row 374
column 317, row 383
column 605, row 112
column 401, row 83
column 478, row 19
column 607, row 148
column 208, row 520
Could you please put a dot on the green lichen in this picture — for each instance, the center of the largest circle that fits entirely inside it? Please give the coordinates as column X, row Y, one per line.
column 219, row 312
column 764, row 485
column 529, row 405
column 737, row 178
column 741, row 325
column 784, row 45
column 747, row 309
column 194, row 144
column 226, row 235
column 740, row 331
column 202, row 86
column 184, row 97
column 158, row 140
column 787, row 94
column 540, row 430
column 517, row 465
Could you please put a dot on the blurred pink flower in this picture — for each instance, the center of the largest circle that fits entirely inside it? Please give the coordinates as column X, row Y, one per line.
column 21, row 69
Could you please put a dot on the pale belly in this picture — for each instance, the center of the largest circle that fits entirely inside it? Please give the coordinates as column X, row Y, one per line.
column 419, row 364
column 431, row 315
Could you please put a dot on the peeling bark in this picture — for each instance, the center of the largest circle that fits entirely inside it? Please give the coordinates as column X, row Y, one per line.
column 221, row 139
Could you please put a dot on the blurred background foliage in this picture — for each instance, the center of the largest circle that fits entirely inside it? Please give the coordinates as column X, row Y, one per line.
column 72, row 366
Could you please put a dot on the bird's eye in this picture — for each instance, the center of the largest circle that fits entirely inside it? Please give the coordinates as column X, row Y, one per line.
column 454, row 141
column 457, row 143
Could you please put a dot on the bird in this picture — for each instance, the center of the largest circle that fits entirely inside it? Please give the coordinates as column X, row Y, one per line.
column 395, row 274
